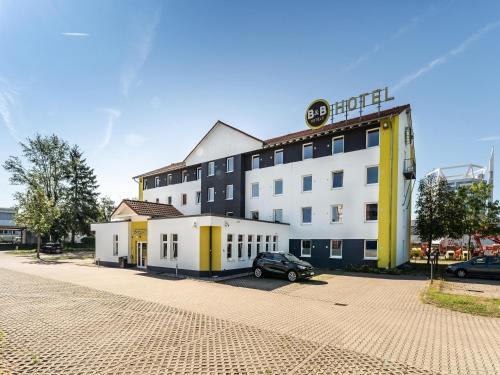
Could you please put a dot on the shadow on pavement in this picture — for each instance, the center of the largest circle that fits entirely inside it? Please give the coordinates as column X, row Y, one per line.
column 269, row 284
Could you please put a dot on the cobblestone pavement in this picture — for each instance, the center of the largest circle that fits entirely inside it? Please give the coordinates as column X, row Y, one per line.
column 126, row 321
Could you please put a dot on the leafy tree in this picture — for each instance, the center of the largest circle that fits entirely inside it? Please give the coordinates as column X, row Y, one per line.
column 37, row 212
column 81, row 205
column 433, row 209
column 106, row 208
column 478, row 214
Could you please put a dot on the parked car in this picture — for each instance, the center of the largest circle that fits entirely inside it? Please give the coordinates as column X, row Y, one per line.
column 51, row 248
column 284, row 264
column 482, row 266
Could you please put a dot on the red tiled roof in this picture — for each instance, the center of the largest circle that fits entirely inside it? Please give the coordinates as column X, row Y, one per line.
column 151, row 209
column 337, row 125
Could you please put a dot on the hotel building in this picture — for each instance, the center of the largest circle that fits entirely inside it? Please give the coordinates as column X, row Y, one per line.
column 336, row 196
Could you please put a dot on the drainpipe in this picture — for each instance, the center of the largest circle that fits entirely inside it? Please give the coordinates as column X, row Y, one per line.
column 210, row 251
column 389, row 126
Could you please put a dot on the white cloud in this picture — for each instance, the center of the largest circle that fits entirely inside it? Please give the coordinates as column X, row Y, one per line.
column 75, row 34
column 7, row 104
column 112, row 114
column 444, row 58
column 139, row 56
column 133, row 139
column 490, row 138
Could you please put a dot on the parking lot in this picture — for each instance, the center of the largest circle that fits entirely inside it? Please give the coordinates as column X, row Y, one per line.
column 73, row 317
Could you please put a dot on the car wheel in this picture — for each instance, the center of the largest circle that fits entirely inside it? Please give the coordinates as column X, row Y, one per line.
column 461, row 273
column 257, row 273
column 292, row 276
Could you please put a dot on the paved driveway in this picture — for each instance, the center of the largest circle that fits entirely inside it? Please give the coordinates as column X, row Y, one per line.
column 77, row 318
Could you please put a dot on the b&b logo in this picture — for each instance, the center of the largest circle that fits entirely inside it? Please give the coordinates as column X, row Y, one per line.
column 317, row 114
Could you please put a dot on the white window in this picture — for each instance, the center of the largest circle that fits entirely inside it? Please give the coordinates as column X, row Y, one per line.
column 305, row 248
column 198, row 197
column 184, row 198
column 338, row 145
column 229, row 192
column 275, row 243
column 255, row 161
column 240, row 246
column 184, row 176
column 259, row 243
column 278, row 187
column 174, row 246
column 268, row 243
column 278, row 215
column 336, row 215
column 371, row 249
column 211, row 194
column 337, row 179
column 307, row 183
column 306, row 215
column 278, row 157
column 164, row 246
column 211, row 168
column 229, row 165
column 371, row 211
column 169, row 179
column 372, row 175
column 372, row 138
column 198, row 173
column 255, row 190
column 157, row 181
column 229, row 246
column 336, row 249
column 254, row 215
column 115, row 244
column 169, row 200
column 307, row 151
column 249, row 246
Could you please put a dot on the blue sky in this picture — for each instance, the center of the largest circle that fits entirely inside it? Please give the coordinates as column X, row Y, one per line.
column 137, row 84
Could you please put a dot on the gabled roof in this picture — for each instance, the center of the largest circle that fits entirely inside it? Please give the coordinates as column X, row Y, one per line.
column 151, row 209
column 168, row 168
column 338, row 125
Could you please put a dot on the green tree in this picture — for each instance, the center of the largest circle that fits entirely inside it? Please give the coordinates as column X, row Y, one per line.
column 81, row 206
column 37, row 212
column 477, row 213
column 43, row 168
column 106, row 208
column 433, row 209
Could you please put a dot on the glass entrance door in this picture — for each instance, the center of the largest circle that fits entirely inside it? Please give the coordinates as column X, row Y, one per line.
column 142, row 254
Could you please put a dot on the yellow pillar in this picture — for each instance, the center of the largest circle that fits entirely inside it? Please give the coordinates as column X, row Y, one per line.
column 141, row 189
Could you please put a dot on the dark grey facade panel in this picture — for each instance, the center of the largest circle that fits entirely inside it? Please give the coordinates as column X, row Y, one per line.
column 354, row 140
column 352, row 253
column 176, row 177
column 219, row 181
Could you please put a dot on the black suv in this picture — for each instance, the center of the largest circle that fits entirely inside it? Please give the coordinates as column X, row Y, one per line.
column 281, row 264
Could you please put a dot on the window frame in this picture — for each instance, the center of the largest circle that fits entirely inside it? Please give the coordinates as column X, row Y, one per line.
column 232, row 164
column 229, row 247
column 343, row 144
column 174, row 246
column 197, row 198
column 240, row 246
column 163, row 242
column 251, row 214
column 258, row 243
column 232, row 192
column 274, row 215
column 274, row 243
column 116, row 244
column 253, row 158
column 267, row 242
column 249, row 246
column 332, row 173
column 213, row 194
column 365, row 213
column 198, row 173
column 157, row 181
column 373, row 131
column 282, row 156
column 364, row 250
column 312, row 150
column 341, row 249
column 302, row 184
column 251, row 190
column 302, row 255
column 274, row 187
column 169, row 179
column 366, row 174
column 169, row 200
column 211, row 163
column 184, row 199
column 184, row 176
column 341, row 215
column 302, row 215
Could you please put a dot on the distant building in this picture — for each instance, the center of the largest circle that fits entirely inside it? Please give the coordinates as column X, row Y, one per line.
column 9, row 231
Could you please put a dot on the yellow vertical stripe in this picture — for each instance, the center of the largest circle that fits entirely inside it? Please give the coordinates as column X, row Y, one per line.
column 138, row 233
column 141, row 189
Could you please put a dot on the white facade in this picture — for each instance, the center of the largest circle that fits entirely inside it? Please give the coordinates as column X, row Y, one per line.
column 105, row 240
column 352, row 196
column 175, row 191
